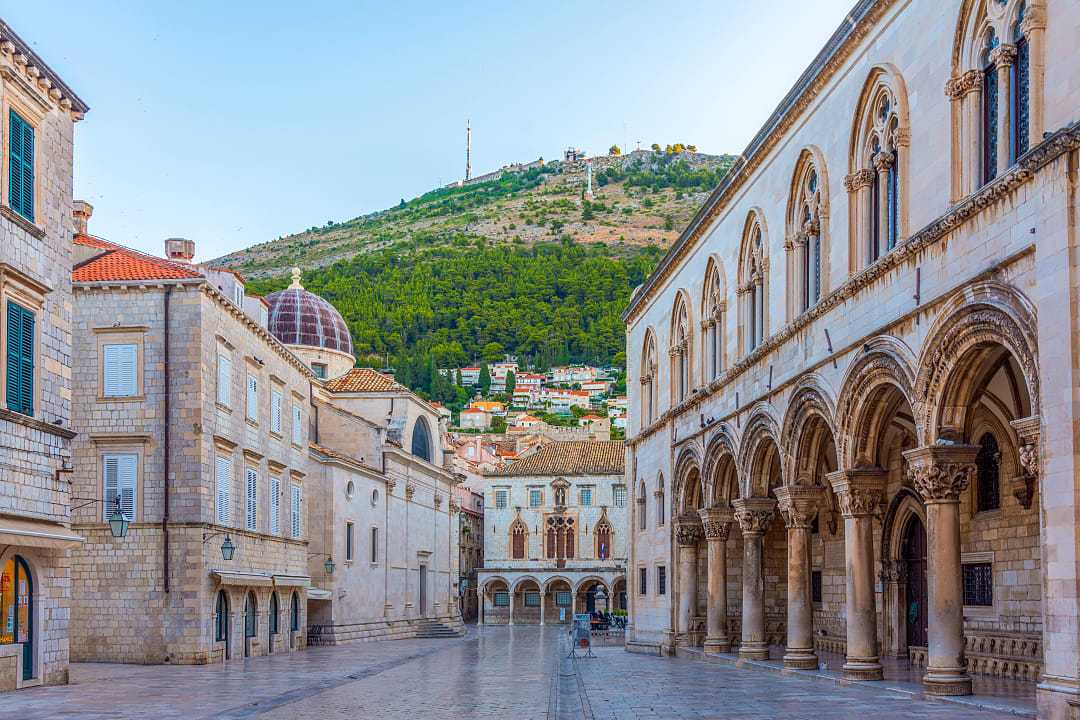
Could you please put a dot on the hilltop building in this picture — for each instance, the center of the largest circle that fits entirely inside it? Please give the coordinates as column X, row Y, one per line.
column 853, row 430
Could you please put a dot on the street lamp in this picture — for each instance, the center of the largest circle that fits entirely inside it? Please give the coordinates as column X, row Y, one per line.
column 228, row 549
column 118, row 521
column 328, row 566
column 601, row 596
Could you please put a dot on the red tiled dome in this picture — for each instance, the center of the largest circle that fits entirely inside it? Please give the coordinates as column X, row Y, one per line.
column 298, row 317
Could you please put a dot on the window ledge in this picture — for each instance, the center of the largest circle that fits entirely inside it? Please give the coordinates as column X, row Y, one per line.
column 27, row 225
column 222, row 406
column 121, row 398
column 252, row 423
column 30, row 422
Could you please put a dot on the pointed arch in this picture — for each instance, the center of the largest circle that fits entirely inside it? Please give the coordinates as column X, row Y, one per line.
column 519, row 539
column 689, row 491
column 753, row 283
column 807, row 233
column 720, row 470
column 759, row 453
column 713, row 320
column 877, row 182
column 603, row 537
column 808, row 435
column 648, row 376
column 680, row 348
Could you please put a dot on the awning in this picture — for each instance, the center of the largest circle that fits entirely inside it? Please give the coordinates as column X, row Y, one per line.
column 319, row 594
column 292, row 580
column 228, row 577
column 36, row 533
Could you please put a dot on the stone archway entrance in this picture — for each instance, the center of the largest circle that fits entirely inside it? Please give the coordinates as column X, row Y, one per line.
column 913, row 555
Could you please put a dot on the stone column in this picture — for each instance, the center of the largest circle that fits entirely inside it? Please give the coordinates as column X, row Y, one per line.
column 753, row 516
column 543, row 605
column 798, row 505
column 940, row 473
column 717, row 523
column 859, row 493
column 513, row 601
column 1003, row 57
column 1034, row 28
column 687, row 534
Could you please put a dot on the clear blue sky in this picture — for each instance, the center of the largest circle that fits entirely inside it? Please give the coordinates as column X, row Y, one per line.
column 232, row 123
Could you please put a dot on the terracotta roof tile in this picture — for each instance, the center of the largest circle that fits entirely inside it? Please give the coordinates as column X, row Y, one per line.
column 359, row 380
column 118, row 263
column 573, row 457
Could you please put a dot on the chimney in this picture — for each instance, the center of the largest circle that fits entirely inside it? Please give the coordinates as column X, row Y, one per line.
column 180, row 249
column 82, row 211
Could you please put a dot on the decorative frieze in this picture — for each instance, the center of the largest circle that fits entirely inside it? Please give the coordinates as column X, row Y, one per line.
column 941, row 472
column 688, row 530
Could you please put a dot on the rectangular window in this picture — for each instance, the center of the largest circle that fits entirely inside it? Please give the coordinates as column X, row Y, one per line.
column 275, row 411
column 643, row 580
column 297, row 425
column 251, row 499
column 238, row 295
column 275, row 505
column 585, row 496
column 21, row 166
column 661, row 580
column 536, row 498
column 319, row 369
column 978, row 584
column 252, row 398
column 374, row 544
column 121, row 372
column 224, row 472
column 348, row 541
column 20, row 359
column 120, row 481
column 501, row 599
column 618, row 493
column 815, row 586
column 295, row 510
column 532, row 598
column 224, row 380
column 500, row 499
column 562, row 598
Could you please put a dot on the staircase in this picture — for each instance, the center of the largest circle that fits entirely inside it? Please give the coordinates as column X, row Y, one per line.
column 426, row 628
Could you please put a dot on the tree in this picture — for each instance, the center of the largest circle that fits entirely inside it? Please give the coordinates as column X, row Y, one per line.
column 511, row 382
column 614, row 150
column 498, row 424
column 485, row 379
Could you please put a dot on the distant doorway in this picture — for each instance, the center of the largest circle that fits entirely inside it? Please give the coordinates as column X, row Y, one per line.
column 249, row 623
column 423, row 590
column 913, row 553
column 221, row 622
column 17, row 610
column 272, row 626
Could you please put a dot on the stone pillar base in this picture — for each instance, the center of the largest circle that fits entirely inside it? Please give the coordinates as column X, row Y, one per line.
column 863, row 669
column 717, row 645
column 800, row 659
column 951, row 681
column 754, row 651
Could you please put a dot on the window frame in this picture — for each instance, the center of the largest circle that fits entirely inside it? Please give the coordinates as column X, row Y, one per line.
column 251, row 499
column 32, row 122
column 223, row 394
column 121, row 340
column 251, row 397
column 277, row 406
column 274, row 505
column 643, row 581
column 296, row 511
column 107, row 502
column 661, row 579
column 223, row 492
column 26, row 403
column 350, row 540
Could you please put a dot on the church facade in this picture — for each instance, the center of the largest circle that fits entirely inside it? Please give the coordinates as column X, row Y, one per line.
column 849, row 378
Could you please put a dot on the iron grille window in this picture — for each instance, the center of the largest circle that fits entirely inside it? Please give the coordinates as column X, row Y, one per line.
column 619, row 493
column 562, row 598
column 661, row 580
column 990, row 128
column 502, row 599
column 500, row 499
column 815, row 586
column 532, row 599
column 643, row 581
column 1021, row 97
column 987, row 465
column 978, row 584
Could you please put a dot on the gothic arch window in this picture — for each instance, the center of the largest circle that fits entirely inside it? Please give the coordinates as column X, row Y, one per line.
column 806, row 244
column 753, row 285
column 519, row 540
column 642, row 507
column 996, row 88
column 560, row 534
column 649, row 369
column 604, row 537
column 421, row 440
column 660, row 519
column 680, row 351
column 988, row 467
column 713, row 322
column 877, row 182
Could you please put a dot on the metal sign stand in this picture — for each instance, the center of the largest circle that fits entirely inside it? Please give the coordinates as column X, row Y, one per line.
column 581, row 636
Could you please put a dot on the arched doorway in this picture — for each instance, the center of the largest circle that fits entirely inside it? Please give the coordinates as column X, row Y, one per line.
column 250, row 622
column 221, row 622
column 17, row 610
column 294, row 618
column 273, row 624
column 913, row 554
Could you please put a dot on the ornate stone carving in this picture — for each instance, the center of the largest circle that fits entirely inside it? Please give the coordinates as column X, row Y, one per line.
column 410, row 490
column 859, row 491
column 958, row 87
column 754, row 514
column 1003, row 55
column 390, row 485
column 454, row 508
column 859, row 179
column 1034, row 19
column 687, row 530
column 883, row 161
column 798, row 504
column 902, row 137
column 941, row 472
column 716, row 523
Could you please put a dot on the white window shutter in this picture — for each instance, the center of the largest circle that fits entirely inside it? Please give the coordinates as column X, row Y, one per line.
column 252, row 397
column 296, row 511
column 251, row 514
column 121, row 370
column 120, row 479
column 224, row 483
column 224, row 380
column 297, row 425
column 275, row 411
column 275, row 505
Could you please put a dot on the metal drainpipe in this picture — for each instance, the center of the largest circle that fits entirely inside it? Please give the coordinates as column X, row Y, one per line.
column 165, row 438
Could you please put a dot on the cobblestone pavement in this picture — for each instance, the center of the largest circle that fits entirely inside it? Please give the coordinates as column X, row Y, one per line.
column 494, row 672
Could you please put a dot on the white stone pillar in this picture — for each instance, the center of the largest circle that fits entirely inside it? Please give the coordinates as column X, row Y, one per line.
column 753, row 516
column 1003, row 57
column 687, row 534
column 940, row 473
column 717, row 523
column 543, row 605
column 513, row 601
column 798, row 506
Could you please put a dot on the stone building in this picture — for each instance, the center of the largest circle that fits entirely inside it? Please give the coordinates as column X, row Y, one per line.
column 555, row 534
column 37, row 117
column 852, row 430
column 470, row 547
column 193, row 415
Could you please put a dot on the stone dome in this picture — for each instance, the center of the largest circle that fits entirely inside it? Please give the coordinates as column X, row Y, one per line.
column 298, row 317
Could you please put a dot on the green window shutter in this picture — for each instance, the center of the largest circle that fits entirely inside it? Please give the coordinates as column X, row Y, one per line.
column 20, row 359
column 21, row 176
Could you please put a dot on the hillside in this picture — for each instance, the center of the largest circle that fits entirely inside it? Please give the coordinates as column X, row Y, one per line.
column 642, row 198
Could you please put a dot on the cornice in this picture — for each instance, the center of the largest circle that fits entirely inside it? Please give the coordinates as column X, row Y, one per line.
column 40, row 76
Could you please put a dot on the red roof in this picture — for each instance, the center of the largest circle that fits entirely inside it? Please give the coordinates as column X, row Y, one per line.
column 119, row 263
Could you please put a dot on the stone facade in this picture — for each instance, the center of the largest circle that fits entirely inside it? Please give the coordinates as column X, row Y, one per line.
column 470, row 505
column 35, row 439
column 870, row 307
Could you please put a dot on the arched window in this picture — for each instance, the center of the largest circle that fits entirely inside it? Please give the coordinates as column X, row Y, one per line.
column 560, row 534
column 680, row 351
column 421, row 439
column 603, row 540
column 250, row 616
column 294, row 612
column 660, row 519
column 221, row 617
column 1020, row 84
column 648, row 381
column 642, row 507
column 988, row 464
column 876, row 183
column 274, row 612
column 713, row 321
column 753, row 285
column 519, row 539
column 989, row 108
column 805, row 245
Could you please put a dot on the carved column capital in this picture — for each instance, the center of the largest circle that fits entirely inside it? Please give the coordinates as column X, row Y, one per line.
column 883, row 161
column 902, row 138
column 859, row 491
column 858, row 180
column 687, row 530
column 1034, row 19
column 1003, row 55
column 390, row 485
column 959, row 86
column 754, row 514
column 941, row 472
column 798, row 504
column 1023, row 487
column 716, row 522
column 410, row 490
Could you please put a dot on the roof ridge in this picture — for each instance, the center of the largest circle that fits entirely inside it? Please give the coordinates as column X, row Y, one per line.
column 117, row 247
